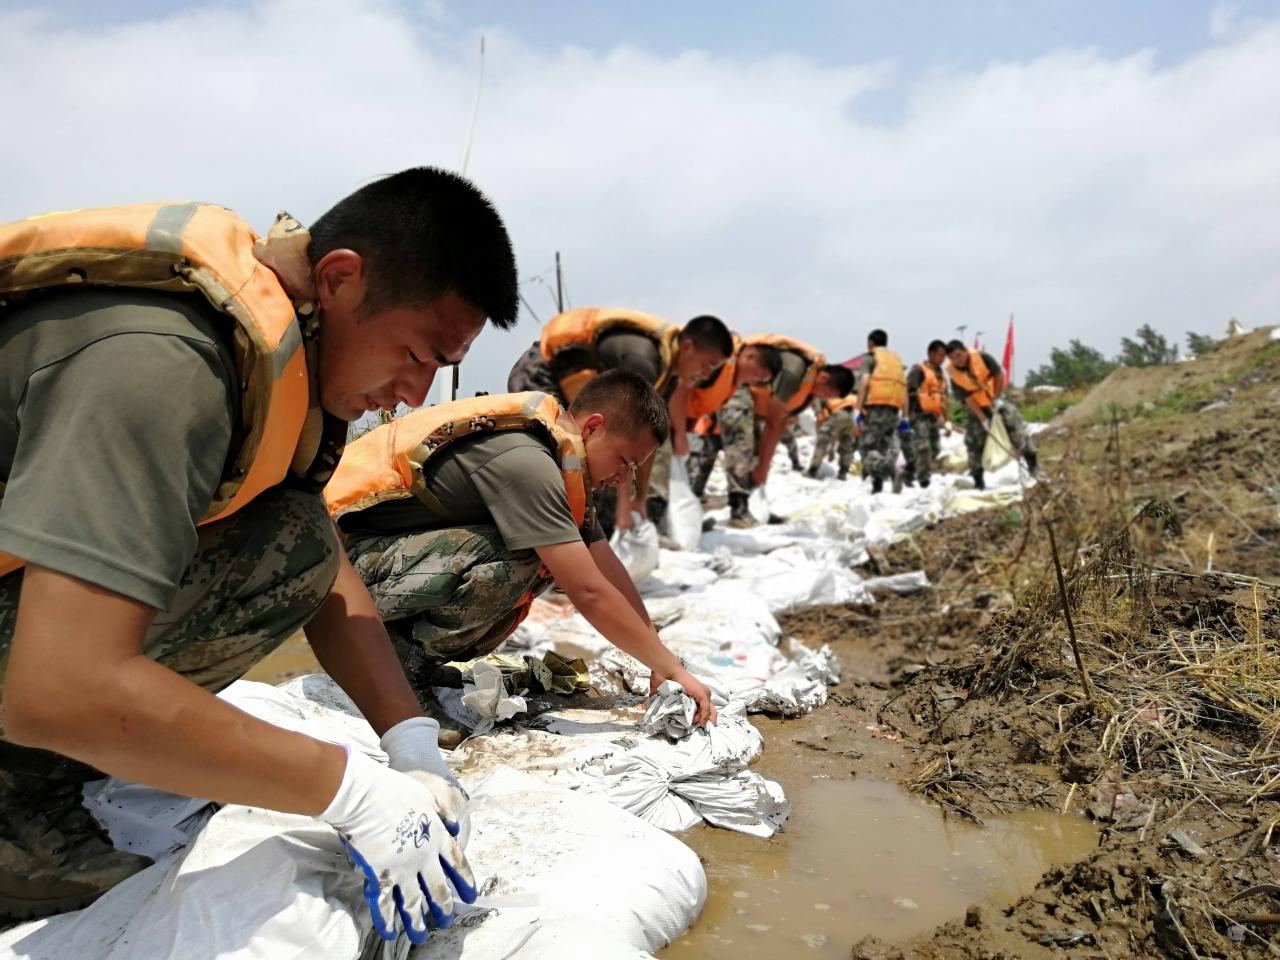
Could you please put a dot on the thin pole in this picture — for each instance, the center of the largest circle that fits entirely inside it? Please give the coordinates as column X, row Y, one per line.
column 1066, row 613
column 466, row 159
column 559, row 286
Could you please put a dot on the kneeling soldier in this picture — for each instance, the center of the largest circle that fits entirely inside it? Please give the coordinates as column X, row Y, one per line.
column 457, row 516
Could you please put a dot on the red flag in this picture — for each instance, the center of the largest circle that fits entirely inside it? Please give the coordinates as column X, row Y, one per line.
column 1008, row 353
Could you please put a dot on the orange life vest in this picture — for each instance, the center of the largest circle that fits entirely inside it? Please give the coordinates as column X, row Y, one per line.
column 582, row 329
column 387, row 462
column 976, row 381
column 188, row 248
column 932, row 395
column 707, row 397
column 812, row 355
column 840, row 403
column 888, row 387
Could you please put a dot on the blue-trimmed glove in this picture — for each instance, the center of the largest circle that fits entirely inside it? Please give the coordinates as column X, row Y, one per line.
column 904, row 426
column 412, row 865
column 859, row 419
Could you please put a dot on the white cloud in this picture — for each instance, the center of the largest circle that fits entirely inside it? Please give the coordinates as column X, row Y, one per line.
column 1088, row 195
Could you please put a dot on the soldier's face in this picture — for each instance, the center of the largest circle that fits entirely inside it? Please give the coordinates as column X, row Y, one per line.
column 693, row 365
column 378, row 360
column 959, row 358
column 613, row 457
column 937, row 356
column 753, row 371
column 824, row 388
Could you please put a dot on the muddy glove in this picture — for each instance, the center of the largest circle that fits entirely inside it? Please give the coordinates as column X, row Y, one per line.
column 412, row 866
column 413, row 746
column 904, row 426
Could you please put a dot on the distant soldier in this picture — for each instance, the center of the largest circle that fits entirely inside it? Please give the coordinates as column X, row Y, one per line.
column 835, row 432
column 578, row 345
column 927, row 406
column 977, row 380
column 882, row 410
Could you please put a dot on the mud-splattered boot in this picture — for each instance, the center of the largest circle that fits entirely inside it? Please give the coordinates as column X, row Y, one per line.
column 1033, row 461
column 877, row 484
column 54, row 856
column 978, row 482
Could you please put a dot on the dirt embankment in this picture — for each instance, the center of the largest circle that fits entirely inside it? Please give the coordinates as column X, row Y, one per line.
column 1155, row 710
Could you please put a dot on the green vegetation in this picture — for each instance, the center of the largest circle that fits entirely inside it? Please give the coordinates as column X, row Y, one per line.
column 1075, row 367
column 1148, row 349
column 1042, row 411
column 1198, row 344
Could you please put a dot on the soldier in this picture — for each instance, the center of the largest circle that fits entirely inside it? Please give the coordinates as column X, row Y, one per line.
column 835, row 431
column 580, row 344
column 497, row 508
column 752, row 422
column 882, row 410
column 927, row 399
column 977, row 381
column 751, row 364
column 197, row 541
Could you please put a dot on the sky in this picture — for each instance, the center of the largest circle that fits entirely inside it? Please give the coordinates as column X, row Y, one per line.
column 818, row 169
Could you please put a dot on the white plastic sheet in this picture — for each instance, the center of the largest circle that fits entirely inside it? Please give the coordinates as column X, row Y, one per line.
column 997, row 451
column 684, row 512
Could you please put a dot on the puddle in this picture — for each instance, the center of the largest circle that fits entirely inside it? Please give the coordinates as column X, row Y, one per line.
column 863, row 857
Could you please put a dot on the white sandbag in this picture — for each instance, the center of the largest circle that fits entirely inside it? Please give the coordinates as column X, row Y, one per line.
column 684, row 512
column 900, row 583
column 997, row 451
column 758, row 505
column 637, row 548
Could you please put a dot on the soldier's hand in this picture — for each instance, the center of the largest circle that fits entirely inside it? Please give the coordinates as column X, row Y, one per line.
column 699, row 694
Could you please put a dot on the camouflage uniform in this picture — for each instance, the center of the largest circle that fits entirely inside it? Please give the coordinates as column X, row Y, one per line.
column 879, row 442
column 926, row 438
column 738, row 437
column 256, row 578
column 454, row 592
column 703, row 450
column 532, row 372
column 975, row 434
column 836, row 431
column 789, row 435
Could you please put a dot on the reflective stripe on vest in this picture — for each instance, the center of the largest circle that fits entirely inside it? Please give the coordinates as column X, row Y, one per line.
column 387, row 462
column 582, row 329
column 976, row 381
column 184, row 248
column 932, row 394
column 888, row 387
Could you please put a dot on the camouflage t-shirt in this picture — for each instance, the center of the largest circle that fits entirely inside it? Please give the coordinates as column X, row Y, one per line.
column 116, row 413
column 508, row 479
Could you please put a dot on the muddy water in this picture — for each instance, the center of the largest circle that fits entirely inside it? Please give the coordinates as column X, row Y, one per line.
column 863, row 857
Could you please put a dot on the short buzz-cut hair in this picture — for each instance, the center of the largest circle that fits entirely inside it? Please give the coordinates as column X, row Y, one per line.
column 708, row 333
column 841, row 376
column 422, row 233
column 954, row 345
column 770, row 357
column 936, row 345
column 879, row 338
column 628, row 403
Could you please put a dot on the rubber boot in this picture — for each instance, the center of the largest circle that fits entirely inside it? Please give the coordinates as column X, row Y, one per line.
column 843, row 474
column 978, row 482
column 739, row 516
column 796, row 465
column 812, row 473
column 924, row 483
column 54, row 856
column 1033, row 461
column 898, row 480
column 877, row 484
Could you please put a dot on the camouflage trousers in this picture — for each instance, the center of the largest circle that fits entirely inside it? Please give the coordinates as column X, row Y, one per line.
column 256, row 578
column 835, row 433
column 879, row 442
column 975, row 434
column 925, row 445
column 790, row 433
column 739, row 435
column 532, row 372
column 454, row 593
column 703, row 450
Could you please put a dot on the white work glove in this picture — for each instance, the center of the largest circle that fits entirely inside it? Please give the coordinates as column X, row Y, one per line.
column 413, row 746
column 411, row 863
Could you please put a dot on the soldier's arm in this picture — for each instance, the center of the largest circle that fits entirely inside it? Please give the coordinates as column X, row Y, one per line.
column 775, row 421
column 606, row 609
column 351, row 643
column 617, row 575
column 677, row 407
column 79, row 684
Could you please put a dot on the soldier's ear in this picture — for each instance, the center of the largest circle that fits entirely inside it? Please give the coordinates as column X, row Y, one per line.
column 593, row 424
